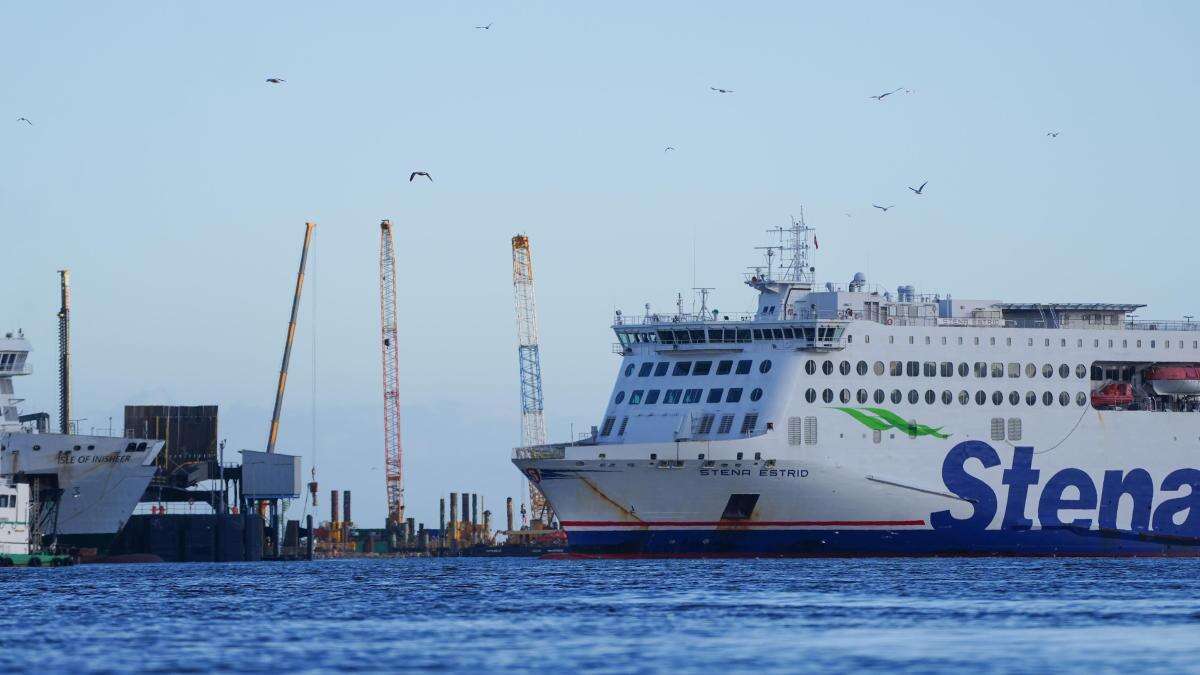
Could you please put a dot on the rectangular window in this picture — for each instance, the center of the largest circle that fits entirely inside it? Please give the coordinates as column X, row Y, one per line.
column 724, row 367
column 743, row 335
column 749, row 422
column 1014, row 370
column 681, row 368
column 997, row 428
column 929, row 369
column 757, row 334
column 726, row 424
column 810, row 431
column 652, row 397
column 743, row 367
column 702, row 368
column 646, row 369
column 735, row 395
column 980, row 369
column 692, row 395
column 636, row 397
column 896, row 368
column 624, row 423
column 608, row 425
column 997, row 370
column 714, row 395
column 704, row 426
column 672, row 396
column 914, row 368
column 794, row 431
column 1014, row 428
column 946, row 368
column 661, row 369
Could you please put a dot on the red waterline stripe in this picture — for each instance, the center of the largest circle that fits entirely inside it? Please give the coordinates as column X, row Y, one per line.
column 741, row 523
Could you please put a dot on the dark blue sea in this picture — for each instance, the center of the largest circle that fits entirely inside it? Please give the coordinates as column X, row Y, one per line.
column 473, row 615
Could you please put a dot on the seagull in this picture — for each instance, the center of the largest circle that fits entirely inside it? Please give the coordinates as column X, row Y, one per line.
column 880, row 97
column 487, row 27
column 920, row 189
column 25, row 120
column 276, row 80
column 848, row 215
column 414, row 174
column 883, row 208
column 1053, row 134
column 721, row 91
column 668, row 148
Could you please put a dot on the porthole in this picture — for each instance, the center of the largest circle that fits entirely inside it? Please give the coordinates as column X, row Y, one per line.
column 810, row 367
column 930, row 397
column 879, row 396
column 862, row 367
column 1031, row 398
column 1014, row 398
column 1064, row 399
column 756, row 394
column 964, row 370
column 826, row 395
column 844, row 367
column 878, row 367
column 620, row 397
column 810, row 395
column 844, row 396
column 863, row 395
column 997, row 397
column 628, row 370
column 914, row 397
column 980, row 397
column 963, row 397
column 827, row 367
column 1081, row 371
column 1081, row 399
column 1064, row 371
column 1030, row 370
column 765, row 366
column 1047, row 398
column 1047, row 370
column 947, row 397
column 897, row 396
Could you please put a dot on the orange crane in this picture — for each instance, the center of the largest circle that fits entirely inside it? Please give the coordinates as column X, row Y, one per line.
column 392, row 452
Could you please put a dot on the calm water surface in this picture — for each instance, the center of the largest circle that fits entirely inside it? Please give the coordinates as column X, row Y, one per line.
column 621, row 616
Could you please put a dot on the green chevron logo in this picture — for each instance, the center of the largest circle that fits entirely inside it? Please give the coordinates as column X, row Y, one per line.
column 880, row 419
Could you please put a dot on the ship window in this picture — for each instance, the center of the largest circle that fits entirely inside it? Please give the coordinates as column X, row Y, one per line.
column 652, row 397
column 743, row 367
column 726, row 424
column 1030, row 370
column 976, row 341
column 692, row 395
column 997, row 370
column 778, row 333
column 794, row 431
column 810, row 395
column 672, row 396
column 929, row 369
column 636, row 397
column 826, row 395
column 724, row 367
column 810, row 367
column 1079, row 343
column 844, row 367
column 1081, row 399
column 758, row 334
column 896, row 368
column 879, row 368
column 132, row 447
column 863, row 368
column 749, row 422
column 943, row 339
column 930, row 396
column 1064, row 371
column 1008, row 342
column 765, row 366
column 947, row 397
column 1110, row 344
column 913, row 368
column 914, row 397
column 1031, row 398
column 964, row 370
column 997, row 428
column 1047, row 398
column 963, row 397
column 980, row 369
column 756, row 394
column 844, row 396
column 928, row 339
column 980, row 397
column 661, row 369
column 879, row 396
column 787, row 334
column 743, row 335
column 646, row 369
column 897, row 396
column 624, row 423
column 715, row 336
column 1014, row 428
column 810, row 431
column 1064, row 399
column 1047, row 342
column 735, row 395
column 992, row 341
column 702, row 368
column 628, row 370
column 1014, row 398
column 1014, row 370
column 827, row 367
column 910, row 339
column 863, row 396
column 1124, row 344
column 1139, row 343
column 705, row 425
column 620, row 397
column 891, row 339
column 714, row 395
column 997, row 398
column 1063, row 342
column 681, row 368
column 960, row 340
column 604, row 431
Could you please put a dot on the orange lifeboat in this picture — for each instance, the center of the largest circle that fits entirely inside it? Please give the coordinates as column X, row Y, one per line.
column 1177, row 380
column 1114, row 395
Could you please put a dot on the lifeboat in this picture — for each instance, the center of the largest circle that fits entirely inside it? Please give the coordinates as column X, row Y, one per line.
column 1174, row 380
column 1114, row 395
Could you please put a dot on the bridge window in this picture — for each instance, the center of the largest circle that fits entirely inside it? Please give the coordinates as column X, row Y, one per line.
column 652, row 397
column 636, row 397
column 692, row 395
column 714, row 395
column 620, row 397
column 672, row 396
column 702, row 368
column 661, row 369
column 735, row 395
column 681, row 368
column 724, row 367
column 743, row 367
column 646, row 369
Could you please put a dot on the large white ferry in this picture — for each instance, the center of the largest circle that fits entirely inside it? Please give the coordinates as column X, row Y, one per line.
column 850, row 421
column 62, row 491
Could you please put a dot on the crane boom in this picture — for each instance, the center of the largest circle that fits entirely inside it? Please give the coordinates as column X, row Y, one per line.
column 393, row 467
column 273, row 433
column 533, row 422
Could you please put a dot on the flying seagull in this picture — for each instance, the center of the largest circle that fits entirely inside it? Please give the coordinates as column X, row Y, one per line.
column 721, row 91
column 487, row 27
column 1053, row 134
column 25, row 120
column 668, row 148
column 883, row 208
column 276, row 80
column 880, row 97
column 414, row 174
column 919, row 190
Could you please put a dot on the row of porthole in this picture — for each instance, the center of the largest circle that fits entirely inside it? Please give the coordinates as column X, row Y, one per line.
column 946, row 369
column 683, row 368
column 947, row 397
column 639, row 396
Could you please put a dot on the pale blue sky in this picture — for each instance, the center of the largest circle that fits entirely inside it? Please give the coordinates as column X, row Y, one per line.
column 174, row 183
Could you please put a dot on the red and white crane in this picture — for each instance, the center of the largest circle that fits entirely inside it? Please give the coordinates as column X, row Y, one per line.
column 392, row 452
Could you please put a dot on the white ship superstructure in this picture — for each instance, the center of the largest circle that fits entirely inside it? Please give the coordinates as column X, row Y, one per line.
column 846, row 420
column 64, row 490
